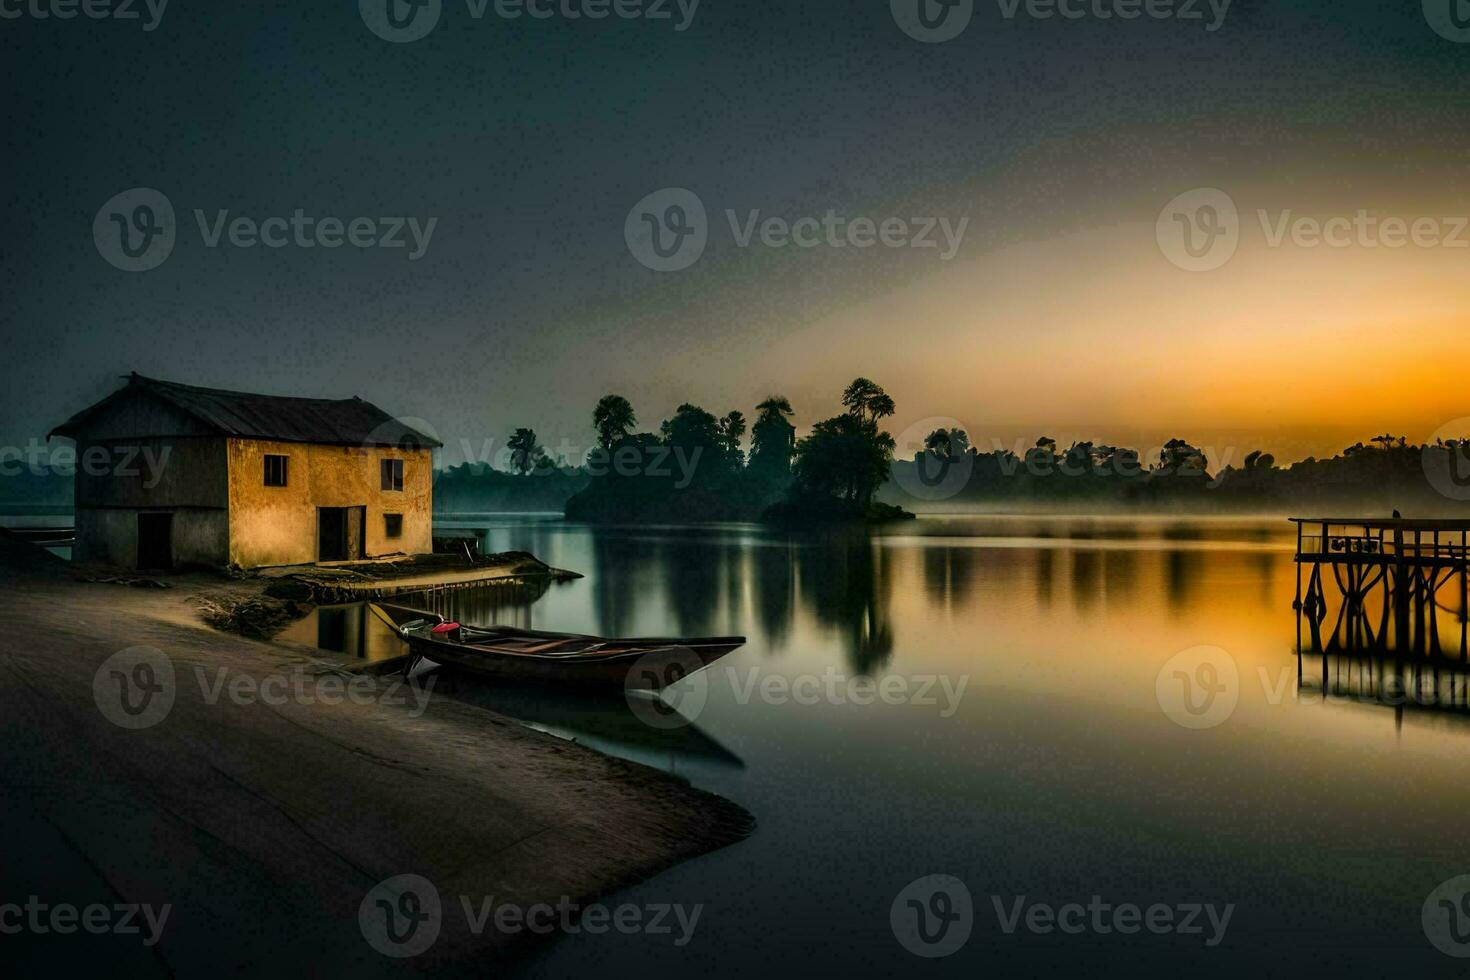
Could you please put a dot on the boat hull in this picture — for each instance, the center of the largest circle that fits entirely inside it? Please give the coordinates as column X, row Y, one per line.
column 643, row 670
column 639, row 664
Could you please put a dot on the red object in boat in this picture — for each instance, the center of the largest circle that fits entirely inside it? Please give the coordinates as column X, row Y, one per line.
column 446, row 627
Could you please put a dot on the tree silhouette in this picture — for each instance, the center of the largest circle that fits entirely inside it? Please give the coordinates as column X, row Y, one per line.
column 848, row 456
column 692, row 427
column 866, row 400
column 773, row 438
column 948, row 444
column 525, row 451
column 732, row 430
column 613, row 419
column 1179, row 457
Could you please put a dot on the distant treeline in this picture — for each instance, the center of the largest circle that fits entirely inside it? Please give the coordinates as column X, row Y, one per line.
column 696, row 469
column 480, row 487
column 1384, row 474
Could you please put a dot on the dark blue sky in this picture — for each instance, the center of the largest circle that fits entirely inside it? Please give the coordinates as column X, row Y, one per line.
column 529, row 141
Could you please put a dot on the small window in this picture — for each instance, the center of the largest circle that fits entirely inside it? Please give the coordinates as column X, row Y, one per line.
column 393, row 525
column 392, row 474
column 275, row 471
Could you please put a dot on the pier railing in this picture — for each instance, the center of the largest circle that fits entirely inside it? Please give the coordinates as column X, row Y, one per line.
column 1388, row 580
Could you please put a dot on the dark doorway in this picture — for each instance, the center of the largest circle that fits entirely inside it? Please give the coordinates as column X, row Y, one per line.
column 155, row 541
column 339, row 533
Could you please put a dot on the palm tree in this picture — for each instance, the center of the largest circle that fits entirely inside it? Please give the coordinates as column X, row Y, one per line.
column 732, row 430
column 774, row 408
column 867, row 400
column 773, row 438
column 614, row 419
column 524, row 450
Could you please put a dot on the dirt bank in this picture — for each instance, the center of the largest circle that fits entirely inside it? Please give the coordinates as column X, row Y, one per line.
column 265, row 821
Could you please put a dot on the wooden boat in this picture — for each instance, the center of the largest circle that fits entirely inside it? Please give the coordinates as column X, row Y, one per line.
column 645, row 663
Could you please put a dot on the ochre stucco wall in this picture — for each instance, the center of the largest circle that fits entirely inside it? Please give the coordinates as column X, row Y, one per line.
column 278, row 525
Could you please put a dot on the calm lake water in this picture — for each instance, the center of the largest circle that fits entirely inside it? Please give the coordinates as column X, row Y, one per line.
column 1055, row 774
column 1027, row 745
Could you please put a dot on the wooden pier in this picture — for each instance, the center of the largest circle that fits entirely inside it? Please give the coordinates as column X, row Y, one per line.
column 1382, row 584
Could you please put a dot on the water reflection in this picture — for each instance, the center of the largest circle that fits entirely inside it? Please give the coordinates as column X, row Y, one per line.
column 351, row 629
column 601, row 719
column 355, row 630
column 508, row 604
column 787, row 589
column 774, row 590
column 844, row 582
column 1408, row 688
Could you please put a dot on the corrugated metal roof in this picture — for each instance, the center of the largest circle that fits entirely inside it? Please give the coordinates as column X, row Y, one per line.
column 337, row 422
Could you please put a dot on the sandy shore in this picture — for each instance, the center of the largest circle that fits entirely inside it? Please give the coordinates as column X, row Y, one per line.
column 265, row 820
